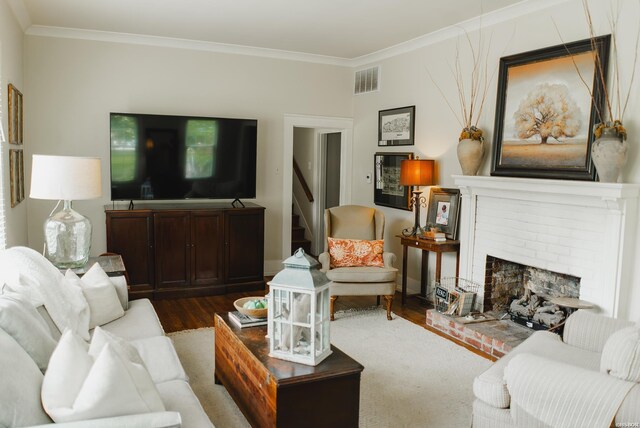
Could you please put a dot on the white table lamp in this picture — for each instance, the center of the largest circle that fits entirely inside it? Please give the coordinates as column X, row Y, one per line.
column 67, row 233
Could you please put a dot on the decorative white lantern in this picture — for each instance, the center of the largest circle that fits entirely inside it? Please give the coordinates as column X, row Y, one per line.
column 298, row 316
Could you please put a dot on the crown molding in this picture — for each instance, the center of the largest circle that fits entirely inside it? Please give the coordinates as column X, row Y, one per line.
column 139, row 39
column 517, row 10
column 525, row 7
column 21, row 13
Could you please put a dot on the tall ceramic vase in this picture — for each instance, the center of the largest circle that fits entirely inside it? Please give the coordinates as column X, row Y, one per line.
column 609, row 153
column 470, row 150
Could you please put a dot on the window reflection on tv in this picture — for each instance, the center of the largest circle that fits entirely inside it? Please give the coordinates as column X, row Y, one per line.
column 180, row 157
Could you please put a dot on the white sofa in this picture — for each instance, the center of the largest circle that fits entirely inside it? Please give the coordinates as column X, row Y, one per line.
column 557, row 377
column 21, row 379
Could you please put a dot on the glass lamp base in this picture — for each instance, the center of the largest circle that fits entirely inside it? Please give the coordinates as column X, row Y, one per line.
column 67, row 238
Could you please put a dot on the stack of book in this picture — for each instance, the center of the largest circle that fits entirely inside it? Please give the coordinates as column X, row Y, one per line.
column 435, row 236
column 242, row 320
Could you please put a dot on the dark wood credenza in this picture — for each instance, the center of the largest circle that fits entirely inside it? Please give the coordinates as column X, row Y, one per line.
column 180, row 250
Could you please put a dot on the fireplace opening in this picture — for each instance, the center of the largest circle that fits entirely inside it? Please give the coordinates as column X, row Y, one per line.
column 526, row 293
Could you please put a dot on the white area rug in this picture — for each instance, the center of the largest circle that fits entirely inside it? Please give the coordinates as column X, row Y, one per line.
column 412, row 377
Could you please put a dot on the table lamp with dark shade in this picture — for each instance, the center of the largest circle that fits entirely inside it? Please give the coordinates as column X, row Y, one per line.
column 416, row 173
column 67, row 233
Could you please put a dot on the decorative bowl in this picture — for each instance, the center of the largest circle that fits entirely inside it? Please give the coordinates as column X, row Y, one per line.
column 253, row 313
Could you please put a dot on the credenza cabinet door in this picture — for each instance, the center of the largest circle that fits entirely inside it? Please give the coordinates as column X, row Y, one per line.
column 130, row 234
column 244, row 241
column 207, row 248
column 172, row 248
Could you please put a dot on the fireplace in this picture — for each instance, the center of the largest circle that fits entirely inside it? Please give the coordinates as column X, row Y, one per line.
column 583, row 229
column 526, row 292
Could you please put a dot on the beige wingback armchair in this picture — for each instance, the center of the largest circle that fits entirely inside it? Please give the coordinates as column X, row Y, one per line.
column 358, row 222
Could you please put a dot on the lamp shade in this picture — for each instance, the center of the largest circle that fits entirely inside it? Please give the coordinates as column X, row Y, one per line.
column 69, row 178
column 416, row 172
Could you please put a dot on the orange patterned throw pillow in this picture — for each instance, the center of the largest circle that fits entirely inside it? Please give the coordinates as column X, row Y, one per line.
column 355, row 252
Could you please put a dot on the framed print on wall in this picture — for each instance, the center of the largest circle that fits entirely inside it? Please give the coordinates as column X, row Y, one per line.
column 545, row 113
column 14, row 97
column 16, row 176
column 387, row 190
column 396, row 126
column 444, row 210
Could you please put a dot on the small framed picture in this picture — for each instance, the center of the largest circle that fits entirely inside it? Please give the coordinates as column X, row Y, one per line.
column 15, row 115
column 388, row 191
column 444, row 210
column 396, row 126
column 16, row 176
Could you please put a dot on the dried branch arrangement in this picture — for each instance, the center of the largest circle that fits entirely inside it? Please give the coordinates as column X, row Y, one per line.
column 472, row 89
column 616, row 100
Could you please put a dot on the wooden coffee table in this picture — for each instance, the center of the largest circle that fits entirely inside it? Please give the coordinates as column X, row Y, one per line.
column 272, row 392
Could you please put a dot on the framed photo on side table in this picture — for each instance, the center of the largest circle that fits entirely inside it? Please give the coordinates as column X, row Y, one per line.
column 396, row 126
column 387, row 190
column 444, row 210
column 545, row 113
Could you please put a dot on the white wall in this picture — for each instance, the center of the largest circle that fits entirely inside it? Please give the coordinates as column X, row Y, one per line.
column 11, row 71
column 72, row 85
column 404, row 81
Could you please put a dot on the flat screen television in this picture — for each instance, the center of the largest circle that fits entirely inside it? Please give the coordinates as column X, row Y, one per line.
column 182, row 157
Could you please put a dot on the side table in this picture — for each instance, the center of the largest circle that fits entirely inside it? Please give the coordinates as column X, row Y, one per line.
column 112, row 265
column 426, row 245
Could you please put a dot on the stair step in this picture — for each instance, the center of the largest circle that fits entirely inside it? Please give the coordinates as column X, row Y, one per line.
column 297, row 233
column 304, row 243
column 295, row 220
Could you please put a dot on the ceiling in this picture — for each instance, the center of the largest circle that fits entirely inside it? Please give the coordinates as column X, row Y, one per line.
column 345, row 29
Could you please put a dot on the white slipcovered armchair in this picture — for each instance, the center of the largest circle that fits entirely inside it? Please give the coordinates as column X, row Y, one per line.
column 362, row 223
column 587, row 378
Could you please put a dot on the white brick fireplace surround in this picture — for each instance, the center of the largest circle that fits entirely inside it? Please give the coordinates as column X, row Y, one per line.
column 585, row 229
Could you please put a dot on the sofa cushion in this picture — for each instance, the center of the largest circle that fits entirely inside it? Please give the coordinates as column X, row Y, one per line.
column 590, row 331
column 160, row 358
column 178, row 396
column 490, row 386
column 20, row 386
column 139, row 321
column 77, row 387
column 362, row 274
column 156, row 353
column 621, row 354
column 355, row 252
column 100, row 294
column 22, row 321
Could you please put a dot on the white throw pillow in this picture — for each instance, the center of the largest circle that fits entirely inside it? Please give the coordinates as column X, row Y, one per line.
column 22, row 321
column 621, row 354
column 78, row 387
column 101, row 295
column 97, row 275
column 102, row 337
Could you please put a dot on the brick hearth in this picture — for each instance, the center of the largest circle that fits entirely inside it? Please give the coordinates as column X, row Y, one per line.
column 493, row 338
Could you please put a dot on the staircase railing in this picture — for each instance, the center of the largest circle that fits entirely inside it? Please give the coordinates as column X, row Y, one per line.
column 303, row 182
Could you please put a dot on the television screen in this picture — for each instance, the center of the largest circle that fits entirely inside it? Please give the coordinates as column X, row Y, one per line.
column 180, row 157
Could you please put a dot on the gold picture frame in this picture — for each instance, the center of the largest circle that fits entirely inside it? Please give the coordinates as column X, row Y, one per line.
column 15, row 110
column 16, row 175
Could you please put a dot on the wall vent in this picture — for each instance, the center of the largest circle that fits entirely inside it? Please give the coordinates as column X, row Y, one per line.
column 367, row 80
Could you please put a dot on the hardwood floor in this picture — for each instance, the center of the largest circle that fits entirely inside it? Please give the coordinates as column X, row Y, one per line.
column 197, row 312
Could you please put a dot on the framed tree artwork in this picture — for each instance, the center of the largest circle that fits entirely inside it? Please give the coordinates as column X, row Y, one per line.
column 16, row 176
column 548, row 101
column 396, row 126
column 387, row 190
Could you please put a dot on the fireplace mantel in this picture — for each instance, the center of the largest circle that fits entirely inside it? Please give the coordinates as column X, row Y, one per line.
column 586, row 229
